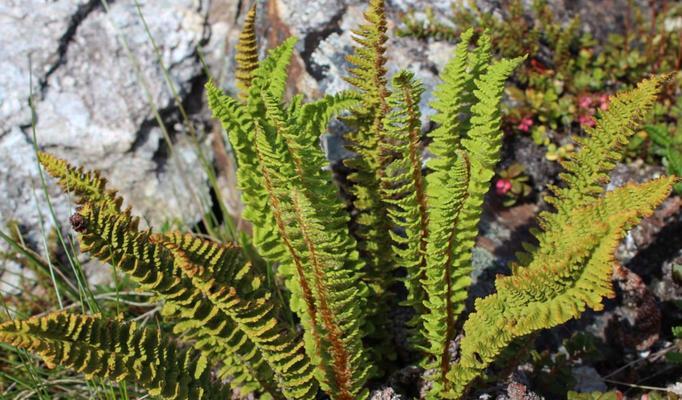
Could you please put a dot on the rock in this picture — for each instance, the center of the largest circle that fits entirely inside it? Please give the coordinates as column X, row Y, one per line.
column 97, row 87
column 587, row 380
column 637, row 319
column 385, row 394
column 519, row 391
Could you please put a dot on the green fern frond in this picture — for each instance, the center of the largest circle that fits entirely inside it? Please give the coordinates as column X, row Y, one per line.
column 570, row 270
column 446, row 192
column 239, row 125
column 569, row 273
column 231, row 285
column 330, row 294
column 118, row 351
column 114, row 236
column 238, row 121
column 367, row 71
column 587, row 170
column 117, row 240
column 87, row 186
column 371, row 222
column 403, row 186
column 449, row 106
column 314, row 117
column 271, row 75
column 247, row 54
column 339, row 301
column 466, row 152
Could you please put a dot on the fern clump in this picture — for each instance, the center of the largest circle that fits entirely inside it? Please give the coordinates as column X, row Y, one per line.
column 408, row 224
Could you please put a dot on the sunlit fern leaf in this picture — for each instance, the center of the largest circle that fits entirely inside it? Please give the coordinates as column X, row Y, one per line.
column 231, row 285
column 272, row 75
column 587, row 171
column 113, row 236
column 314, row 117
column 403, row 186
column 118, row 351
column 247, row 54
column 338, row 298
column 371, row 223
column 86, row 185
column 450, row 107
column 570, row 270
column 238, row 121
column 331, row 293
column 117, row 240
column 570, row 273
column 466, row 148
column 239, row 125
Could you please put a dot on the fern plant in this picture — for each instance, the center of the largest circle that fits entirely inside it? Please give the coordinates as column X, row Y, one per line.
column 408, row 224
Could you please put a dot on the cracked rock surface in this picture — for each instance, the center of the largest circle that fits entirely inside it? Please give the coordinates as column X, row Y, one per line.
column 98, row 92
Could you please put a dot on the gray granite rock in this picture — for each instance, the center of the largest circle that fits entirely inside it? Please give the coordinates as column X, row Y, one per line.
column 98, row 88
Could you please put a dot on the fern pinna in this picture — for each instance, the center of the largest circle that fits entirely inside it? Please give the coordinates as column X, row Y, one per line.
column 410, row 222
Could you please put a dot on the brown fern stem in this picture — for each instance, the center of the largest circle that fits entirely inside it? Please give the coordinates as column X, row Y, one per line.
column 298, row 263
column 342, row 374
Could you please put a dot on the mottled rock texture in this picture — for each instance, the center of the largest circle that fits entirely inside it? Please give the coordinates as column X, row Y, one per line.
column 100, row 96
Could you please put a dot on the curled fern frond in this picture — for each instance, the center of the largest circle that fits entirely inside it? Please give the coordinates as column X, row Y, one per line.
column 118, row 351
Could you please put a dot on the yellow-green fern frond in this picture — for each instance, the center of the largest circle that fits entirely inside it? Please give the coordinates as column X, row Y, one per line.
column 570, row 270
column 569, row 273
column 87, row 186
column 117, row 240
column 450, row 107
column 403, row 186
column 466, row 148
column 319, row 255
column 367, row 70
column 118, row 351
column 314, row 117
column 446, row 191
column 338, row 296
column 239, row 125
column 371, row 223
column 113, row 236
column 247, row 54
column 231, row 285
column 271, row 75
column 587, row 170
column 238, row 121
